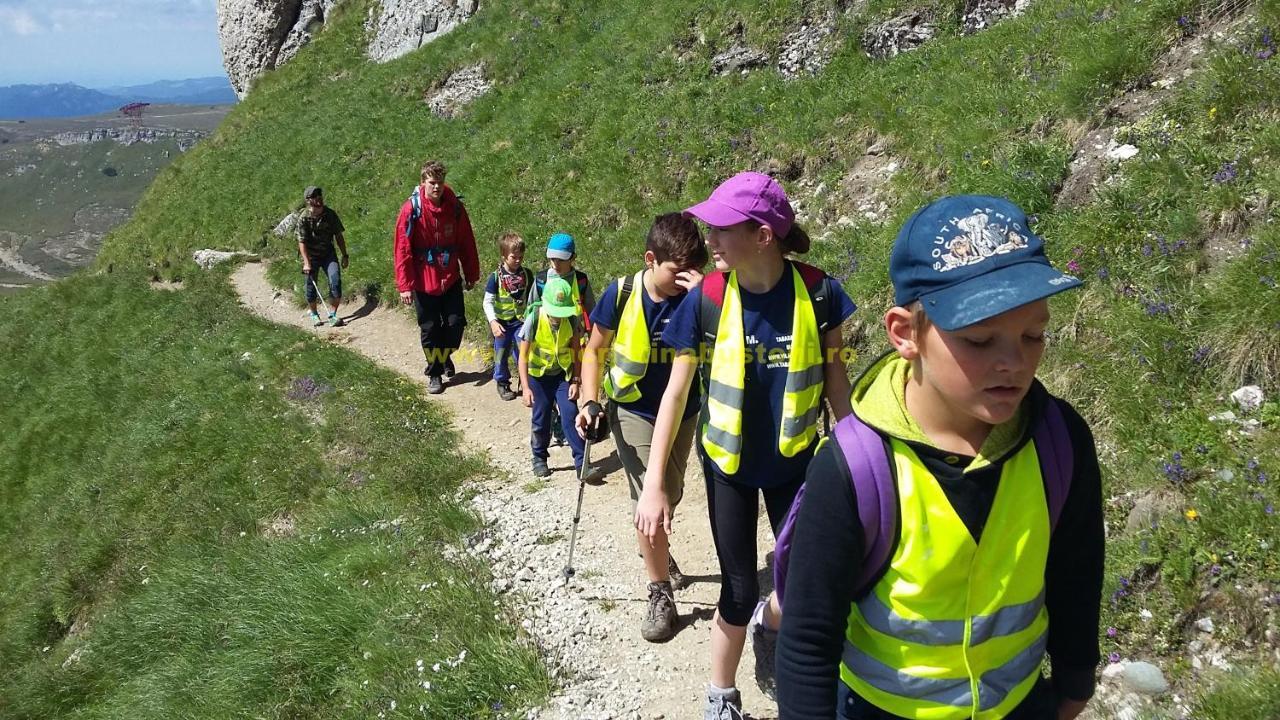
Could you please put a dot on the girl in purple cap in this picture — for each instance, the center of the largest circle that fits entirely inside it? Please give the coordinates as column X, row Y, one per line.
column 765, row 331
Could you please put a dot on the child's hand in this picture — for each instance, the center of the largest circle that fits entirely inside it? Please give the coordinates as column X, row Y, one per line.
column 496, row 328
column 653, row 512
column 688, row 279
column 573, row 391
column 581, row 422
column 527, row 396
column 406, row 297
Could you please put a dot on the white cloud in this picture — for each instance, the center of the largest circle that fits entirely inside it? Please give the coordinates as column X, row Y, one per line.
column 18, row 22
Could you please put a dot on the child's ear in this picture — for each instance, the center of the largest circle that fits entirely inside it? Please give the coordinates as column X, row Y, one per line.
column 897, row 324
column 650, row 259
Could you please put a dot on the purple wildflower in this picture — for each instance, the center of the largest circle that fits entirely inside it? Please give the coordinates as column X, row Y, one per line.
column 1215, row 569
column 1111, row 632
column 1173, row 470
column 1200, row 356
column 1202, row 448
column 1226, row 174
column 1113, row 658
column 1073, row 266
column 1103, row 273
column 1147, row 250
column 1269, row 509
column 1158, row 307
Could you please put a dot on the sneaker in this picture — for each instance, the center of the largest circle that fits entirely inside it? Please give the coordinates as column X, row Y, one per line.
column 449, row 369
column 660, row 621
column 540, row 468
column 677, row 578
column 334, row 320
column 504, row 392
column 434, row 385
column 764, row 645
column 723, row 705
column 315, row 319
column 557, row 431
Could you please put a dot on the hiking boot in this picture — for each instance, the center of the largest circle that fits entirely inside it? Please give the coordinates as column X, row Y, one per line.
column 540, row 468
column 764, row 645
column 723, row 705
column 660, row 621
column 677, row 578
column 449, row 369
column 435, row 385
column 504, row 392
column 315, row 319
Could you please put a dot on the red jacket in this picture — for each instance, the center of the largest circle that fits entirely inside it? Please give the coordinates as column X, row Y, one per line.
column 430, row 255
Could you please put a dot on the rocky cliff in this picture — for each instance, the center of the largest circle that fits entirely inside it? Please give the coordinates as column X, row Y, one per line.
column 258, row 35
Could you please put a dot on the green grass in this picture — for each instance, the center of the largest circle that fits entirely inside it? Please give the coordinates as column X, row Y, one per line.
column 596, row 141
column 152, row 442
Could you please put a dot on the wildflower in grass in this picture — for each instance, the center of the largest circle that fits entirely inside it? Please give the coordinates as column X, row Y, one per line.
column 1213, row 112
column 1112, row 632
column 1269, row 509
column 1215, row 569
column 1073, row 266
column 1174, row 472
column 1202, row 449
column 1147, row 250
column 1200, row 356
column 1103, row 273
column 1192, row 514
column 1226, row 174
column 1113, row 658
column 1158, row 307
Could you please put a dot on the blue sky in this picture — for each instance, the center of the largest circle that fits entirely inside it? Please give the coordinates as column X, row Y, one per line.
column 99, row 43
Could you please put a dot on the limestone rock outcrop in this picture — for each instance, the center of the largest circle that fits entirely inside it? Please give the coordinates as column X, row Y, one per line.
column 260, row 35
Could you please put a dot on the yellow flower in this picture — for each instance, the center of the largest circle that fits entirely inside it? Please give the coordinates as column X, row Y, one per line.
column 1213, row 111
column 1191, row 514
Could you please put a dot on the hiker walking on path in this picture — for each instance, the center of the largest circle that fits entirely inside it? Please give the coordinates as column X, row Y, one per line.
column 550, row 343
column 505, row 296
column 435, row 260
column 628, row 322
column 319, row 228
column 934, row 589
column 766, row 331
column 562, row 254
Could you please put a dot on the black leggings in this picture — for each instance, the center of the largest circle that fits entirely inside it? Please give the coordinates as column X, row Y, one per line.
column 441, row 319
column 734, row 510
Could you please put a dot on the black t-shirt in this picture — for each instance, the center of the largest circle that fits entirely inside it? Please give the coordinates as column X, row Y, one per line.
column 317, row 234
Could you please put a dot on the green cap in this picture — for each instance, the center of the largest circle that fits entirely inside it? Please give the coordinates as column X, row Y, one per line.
column 557, row 298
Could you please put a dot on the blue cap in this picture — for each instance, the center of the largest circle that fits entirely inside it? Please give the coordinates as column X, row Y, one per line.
column 560, row 247
column 968, row 258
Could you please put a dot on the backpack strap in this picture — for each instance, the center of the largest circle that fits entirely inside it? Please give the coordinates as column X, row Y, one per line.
column 713, row 287
column 877, row 495
column 1057, row 457
column 624, row 292
column 873, row 485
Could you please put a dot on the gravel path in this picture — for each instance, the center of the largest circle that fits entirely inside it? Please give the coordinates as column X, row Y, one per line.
column 589, row 627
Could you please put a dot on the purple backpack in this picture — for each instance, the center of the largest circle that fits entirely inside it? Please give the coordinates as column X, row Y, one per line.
column 873, row 485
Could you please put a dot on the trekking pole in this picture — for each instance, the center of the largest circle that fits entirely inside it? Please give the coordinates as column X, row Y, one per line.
column 577, row 514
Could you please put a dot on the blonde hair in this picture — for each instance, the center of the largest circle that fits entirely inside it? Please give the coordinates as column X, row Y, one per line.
column 510, row 242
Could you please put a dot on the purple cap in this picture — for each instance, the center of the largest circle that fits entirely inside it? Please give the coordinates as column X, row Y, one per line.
column 747, row 196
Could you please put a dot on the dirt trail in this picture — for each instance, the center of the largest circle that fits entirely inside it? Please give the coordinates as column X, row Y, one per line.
column 589, row 627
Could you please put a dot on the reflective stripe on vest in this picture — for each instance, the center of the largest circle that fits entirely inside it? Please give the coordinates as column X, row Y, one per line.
column 955, row 629
column 802, row 395
column 630, row 347
column 505, row 305
column 549, row 348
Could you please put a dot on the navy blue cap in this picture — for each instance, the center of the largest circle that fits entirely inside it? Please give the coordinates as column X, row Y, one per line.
column 968, row 258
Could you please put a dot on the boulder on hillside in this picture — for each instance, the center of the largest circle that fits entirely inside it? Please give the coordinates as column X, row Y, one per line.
column 458, row 91
column 738, row 58
column 907, row 31
column 982, row 14
column 808, row 49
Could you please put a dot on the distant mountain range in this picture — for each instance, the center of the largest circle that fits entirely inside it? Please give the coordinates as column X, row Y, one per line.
column 71, row 100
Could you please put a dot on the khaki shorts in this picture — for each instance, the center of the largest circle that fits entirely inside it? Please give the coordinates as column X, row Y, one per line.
column 633, row 435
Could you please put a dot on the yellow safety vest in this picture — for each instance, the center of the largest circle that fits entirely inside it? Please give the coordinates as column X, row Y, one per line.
column 955, row 628
column 802, row 395
column 506, row 306
column 550, row 349
column 631, row 345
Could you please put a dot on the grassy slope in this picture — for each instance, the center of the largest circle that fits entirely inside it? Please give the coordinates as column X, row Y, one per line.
column 603, row 116
column 152, row 441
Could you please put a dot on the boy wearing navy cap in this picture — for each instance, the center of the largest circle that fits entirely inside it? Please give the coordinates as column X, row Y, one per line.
column 996, row 556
